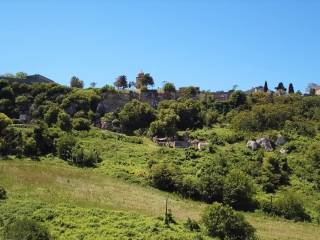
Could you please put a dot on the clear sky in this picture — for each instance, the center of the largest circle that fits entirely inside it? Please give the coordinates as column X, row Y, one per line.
column 213, row 44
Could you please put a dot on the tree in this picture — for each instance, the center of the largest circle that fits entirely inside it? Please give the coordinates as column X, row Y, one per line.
column 76, row 82
column 169, row 88
column 222, row 222
column 265, row 88
column 51, row 116
column 136, row 115
column 291, row 89
column 64, row 121
column 81, row 124
column 163, row 176
column 4, row 121
column 238, row 98
column 280, row 88
column 121, row 82
column 64, row 146
column 93, row 84
column 21, row 75
column 238, row 190
column 143, row 80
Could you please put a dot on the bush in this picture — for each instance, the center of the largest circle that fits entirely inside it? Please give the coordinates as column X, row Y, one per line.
column 51, row 116
column 238, row 190
column 26, row 229
column 163, row 176
column 192, row 225
column 81, row 124
column 84, row 158
column 64, row 121
column 4, row 121
column 222, row 222
column 3, row 193
column 64, row 146
column 289, row 206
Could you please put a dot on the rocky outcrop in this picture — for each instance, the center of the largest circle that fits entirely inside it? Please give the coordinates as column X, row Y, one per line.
column 253, row 145
column 264, row 142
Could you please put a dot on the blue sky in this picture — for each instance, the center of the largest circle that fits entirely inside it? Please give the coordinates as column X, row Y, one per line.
column 213, row 44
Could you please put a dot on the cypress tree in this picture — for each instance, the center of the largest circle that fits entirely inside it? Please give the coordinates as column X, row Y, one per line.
column 265, row 88
column 291, row 89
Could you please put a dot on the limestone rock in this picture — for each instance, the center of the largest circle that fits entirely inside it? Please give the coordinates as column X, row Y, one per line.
column 265, row 143
column 253, row 145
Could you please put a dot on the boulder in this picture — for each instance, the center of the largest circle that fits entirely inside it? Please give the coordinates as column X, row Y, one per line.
column 253, row 145
column 265, row 143
column 280, row 140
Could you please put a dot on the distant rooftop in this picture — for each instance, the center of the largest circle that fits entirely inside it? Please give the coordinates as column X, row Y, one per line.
column 30, row 79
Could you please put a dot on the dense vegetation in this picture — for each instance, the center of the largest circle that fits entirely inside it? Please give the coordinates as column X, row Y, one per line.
column 63, row 122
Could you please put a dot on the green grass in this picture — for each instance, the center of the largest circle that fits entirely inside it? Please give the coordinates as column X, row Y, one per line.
column 87, row 202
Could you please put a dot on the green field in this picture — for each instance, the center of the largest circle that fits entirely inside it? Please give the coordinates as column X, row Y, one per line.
column 87, row 204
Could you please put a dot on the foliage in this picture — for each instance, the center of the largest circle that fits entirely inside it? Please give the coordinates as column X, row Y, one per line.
column 169, row 88
column 64, row 146
column 64, row 121
column 163, row 176
column 135, row 115
column 84, row 158
column 238, row 190
column 121, row 82
column 289, row 206
column 75, row 82
column 222, row 222
column 4, row 121
column 26, row 229
column 81, row 124
column 143, row 80
column 3, row 193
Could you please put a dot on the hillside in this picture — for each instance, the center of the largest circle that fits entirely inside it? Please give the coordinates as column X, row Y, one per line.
column 239, row 168
column 79, row 199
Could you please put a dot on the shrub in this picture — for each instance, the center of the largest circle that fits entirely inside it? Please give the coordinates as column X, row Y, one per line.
column 30, row 147
column 3, row 193
column 290, row 206
column 26, row 229
column 222, row 222
column 163, row 176
column 84, row 158
column 64, row 121
column 4, row 121
column 81, row 124
column 192, row 225
column 135, row 115
column 51, row 116
column 64, row 146
column 238, row 190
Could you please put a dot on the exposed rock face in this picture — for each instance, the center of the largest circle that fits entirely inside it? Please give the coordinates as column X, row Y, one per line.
column 265, row 143
column 280, row 140
column 253, row 145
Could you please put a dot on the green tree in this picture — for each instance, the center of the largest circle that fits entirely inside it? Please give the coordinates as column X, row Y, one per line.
column 64, row 146
column 64, row 121
column 3, row 193
column 21, row 75
column 51, row 116
column 81, row 124
column 143, row 80
column 75, row 82
column 165, row 125
column 163, row 176
column 222, row 222
column 169, row 88
column 121, row 82
column 238, row 98
column 4, row 121
column 265, row 88
column 136, row 115
column 238, row 190
column 291, row 89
